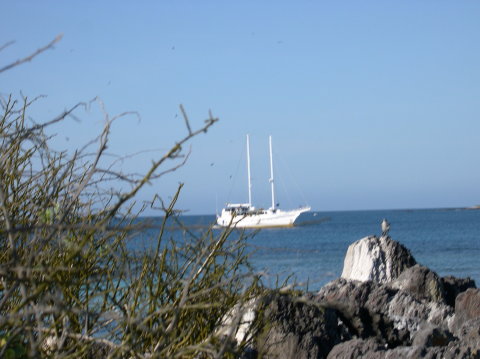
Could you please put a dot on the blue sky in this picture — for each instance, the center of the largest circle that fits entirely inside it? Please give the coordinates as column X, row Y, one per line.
column 371, row 104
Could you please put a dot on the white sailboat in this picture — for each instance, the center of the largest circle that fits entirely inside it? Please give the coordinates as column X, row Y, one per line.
column 245, row 215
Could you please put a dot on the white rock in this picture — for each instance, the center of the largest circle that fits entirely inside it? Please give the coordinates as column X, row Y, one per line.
column 377, row 259
column 238, row 320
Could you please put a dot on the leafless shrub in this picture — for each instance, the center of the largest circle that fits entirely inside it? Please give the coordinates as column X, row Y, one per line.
column 69, row 284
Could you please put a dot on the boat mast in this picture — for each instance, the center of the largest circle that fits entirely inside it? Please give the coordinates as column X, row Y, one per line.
column 271, row 173
column 248, row 172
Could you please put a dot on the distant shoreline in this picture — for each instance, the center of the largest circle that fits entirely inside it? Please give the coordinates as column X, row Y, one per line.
column 473, row 207
column 476, row 207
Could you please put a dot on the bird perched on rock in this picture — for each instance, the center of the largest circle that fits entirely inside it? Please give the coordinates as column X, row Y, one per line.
column 385, row 228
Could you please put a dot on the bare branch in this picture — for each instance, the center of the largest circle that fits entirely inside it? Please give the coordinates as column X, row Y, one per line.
column 76, row 283
column 185, row 117
column 173, row 168
column 8, row 225
column 41, row 126
column 30, row 57
column 172, row 153
column 4, row 46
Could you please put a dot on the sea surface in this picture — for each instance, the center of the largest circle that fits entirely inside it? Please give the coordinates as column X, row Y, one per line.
column 312, row 253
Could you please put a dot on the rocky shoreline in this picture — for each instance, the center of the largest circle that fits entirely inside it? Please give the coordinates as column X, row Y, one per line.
column 385, row 305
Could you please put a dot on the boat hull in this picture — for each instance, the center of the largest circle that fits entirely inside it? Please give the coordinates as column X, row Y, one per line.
column 267, row 219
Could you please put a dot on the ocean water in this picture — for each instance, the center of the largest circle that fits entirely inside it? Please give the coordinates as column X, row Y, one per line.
column 445, row 240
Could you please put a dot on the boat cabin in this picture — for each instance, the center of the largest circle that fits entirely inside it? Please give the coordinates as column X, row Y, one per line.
column 239, row 209
column 244, row 209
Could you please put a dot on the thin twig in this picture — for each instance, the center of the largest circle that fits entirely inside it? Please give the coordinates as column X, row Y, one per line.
column 4, row 46
column 8, row 225
column 172, row 153
column 30, row 57
column 185, row 117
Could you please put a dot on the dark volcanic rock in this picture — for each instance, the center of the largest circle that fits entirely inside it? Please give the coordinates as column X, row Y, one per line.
column 370, row 349
column 358, row 348
column 421, row 283
column 467, row 306
column 373, row 309
column 363, row 307
column 384, row 306
column 454, row 286
column 469, row 334
column 298, row 328
column 431, row 336
column 466, row 324
column 454, row 350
